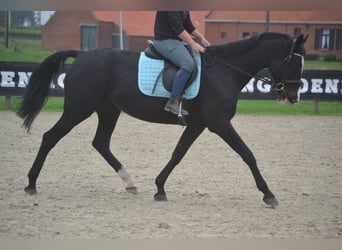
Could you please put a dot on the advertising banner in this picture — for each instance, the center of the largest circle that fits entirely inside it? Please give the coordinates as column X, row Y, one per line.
column 317, row 84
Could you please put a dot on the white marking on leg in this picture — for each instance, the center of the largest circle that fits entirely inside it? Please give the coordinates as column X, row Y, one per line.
column 126, row 178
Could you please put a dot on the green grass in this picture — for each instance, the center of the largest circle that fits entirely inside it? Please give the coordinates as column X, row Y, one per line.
column 260, row 107
column 23, row 51
column 30, row 51
column 53, row 104
column 25, row 31
column 323, row 65
column 273, row 107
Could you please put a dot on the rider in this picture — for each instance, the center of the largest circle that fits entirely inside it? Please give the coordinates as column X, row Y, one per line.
column 171, row 29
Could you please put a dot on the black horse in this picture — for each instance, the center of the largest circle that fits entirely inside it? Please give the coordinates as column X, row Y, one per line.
column 105, row 81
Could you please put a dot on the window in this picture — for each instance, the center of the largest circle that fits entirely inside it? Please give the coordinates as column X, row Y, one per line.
column 297, row 32
column 224, row 35
column 88, row 37
column 324, row 39
column 116, row 41
column 245, row 35
column 255, row 33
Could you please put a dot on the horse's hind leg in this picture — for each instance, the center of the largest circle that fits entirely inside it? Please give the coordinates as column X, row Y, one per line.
column 108, row 116
column 50, row 139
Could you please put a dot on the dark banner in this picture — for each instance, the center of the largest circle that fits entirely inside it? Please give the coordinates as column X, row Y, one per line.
column 14, row 78
column 317, row 84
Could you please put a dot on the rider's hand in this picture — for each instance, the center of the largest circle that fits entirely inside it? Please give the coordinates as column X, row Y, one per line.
column 197, row 48
column 205, row 42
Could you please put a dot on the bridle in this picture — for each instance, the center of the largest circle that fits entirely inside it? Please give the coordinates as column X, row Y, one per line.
column 279, row 87
column 287, row 60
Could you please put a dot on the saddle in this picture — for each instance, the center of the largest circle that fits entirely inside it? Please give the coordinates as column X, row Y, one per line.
column 170, row 69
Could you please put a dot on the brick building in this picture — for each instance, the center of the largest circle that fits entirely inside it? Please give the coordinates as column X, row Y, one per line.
column 98, row 29
column 324, row 27
column 76, row 30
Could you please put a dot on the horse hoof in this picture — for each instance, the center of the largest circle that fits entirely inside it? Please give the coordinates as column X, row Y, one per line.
column 160, row 197
column 132, row 190
column 30, row 190
column 271, row 201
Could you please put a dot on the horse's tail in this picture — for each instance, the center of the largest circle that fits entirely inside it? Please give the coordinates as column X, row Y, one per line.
column 37, row 90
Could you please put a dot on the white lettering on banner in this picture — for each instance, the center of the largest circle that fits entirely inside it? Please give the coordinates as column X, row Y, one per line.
column 331, row 86
column 7, row 79
column 59, row 83
column 60, row 80
column 260, row 85
column 23, row 79
column 305, row 86
column 316, row 86
column 263, row 87
column 249, row 87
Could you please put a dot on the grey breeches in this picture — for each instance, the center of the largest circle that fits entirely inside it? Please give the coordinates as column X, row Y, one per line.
column 175, row 51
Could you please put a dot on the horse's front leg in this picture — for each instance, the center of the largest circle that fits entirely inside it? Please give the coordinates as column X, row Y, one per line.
column 189, row 135
column 227, row 132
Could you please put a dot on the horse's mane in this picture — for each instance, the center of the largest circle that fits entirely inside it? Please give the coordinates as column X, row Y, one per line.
column 243, row 46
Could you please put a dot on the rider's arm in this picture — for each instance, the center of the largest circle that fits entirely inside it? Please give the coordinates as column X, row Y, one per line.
column 200, row 37
column 186, row 37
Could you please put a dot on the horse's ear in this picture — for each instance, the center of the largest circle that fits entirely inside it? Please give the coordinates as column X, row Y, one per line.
column 301, row 40
column 306, row 38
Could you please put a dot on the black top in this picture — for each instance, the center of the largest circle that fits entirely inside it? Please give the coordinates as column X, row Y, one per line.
column 169, row 24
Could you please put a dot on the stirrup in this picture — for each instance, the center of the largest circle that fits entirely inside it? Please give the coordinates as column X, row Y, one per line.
column 179, row 113
column 180, row 110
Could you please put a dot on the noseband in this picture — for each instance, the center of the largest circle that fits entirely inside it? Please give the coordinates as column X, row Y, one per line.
column 280, row 86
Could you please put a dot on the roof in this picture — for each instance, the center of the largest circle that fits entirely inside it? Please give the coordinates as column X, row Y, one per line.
column 141, row 23
column 281, row 16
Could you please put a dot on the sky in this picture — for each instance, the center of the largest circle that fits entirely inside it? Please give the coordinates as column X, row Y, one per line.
column 45, row 16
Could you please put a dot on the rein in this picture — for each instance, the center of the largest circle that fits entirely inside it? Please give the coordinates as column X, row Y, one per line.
column 214, row 58
column 277, row 86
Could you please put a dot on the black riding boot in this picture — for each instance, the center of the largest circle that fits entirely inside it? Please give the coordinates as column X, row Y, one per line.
column 174, row 106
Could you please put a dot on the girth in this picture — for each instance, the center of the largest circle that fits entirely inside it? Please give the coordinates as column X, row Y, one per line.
column 170, row 69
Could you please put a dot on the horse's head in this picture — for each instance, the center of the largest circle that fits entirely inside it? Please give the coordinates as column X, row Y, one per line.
column 287, row 72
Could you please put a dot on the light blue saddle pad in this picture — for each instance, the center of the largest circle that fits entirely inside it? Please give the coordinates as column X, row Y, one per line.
column 149, row 70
